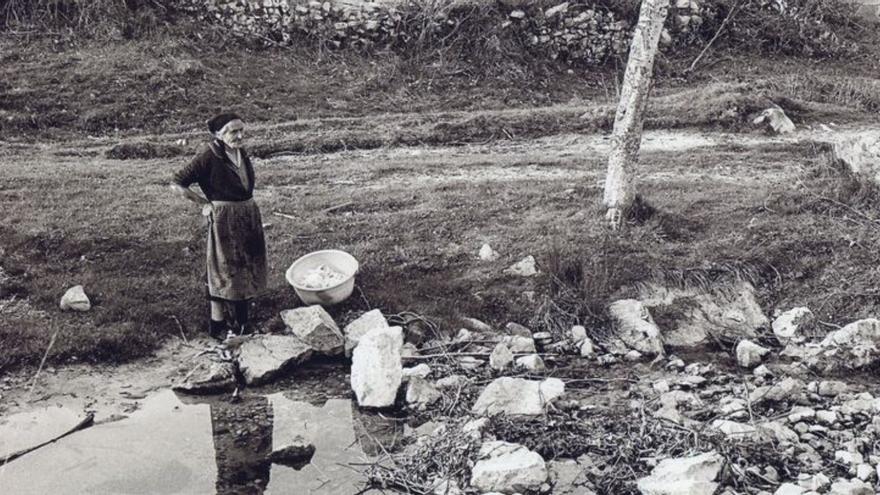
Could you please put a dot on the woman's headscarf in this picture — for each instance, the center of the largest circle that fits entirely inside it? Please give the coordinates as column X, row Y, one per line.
column 217, row 123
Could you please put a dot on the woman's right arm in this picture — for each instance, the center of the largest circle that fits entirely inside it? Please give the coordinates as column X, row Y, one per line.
column 187, row 176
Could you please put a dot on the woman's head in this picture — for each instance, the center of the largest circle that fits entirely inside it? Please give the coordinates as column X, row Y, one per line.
column 229, row 128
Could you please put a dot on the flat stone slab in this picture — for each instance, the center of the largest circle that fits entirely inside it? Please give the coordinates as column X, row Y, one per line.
column 23, row 431
column 263, row 357
column 166, row 447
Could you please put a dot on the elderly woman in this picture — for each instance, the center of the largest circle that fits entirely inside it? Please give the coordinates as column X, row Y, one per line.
column 236, row 247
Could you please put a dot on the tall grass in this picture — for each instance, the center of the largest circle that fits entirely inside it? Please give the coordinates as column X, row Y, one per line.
column 128, row 18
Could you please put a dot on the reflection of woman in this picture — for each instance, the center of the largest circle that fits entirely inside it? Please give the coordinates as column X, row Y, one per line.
column 236, row 247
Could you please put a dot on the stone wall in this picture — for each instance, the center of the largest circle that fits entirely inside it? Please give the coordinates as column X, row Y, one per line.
column 574, row 32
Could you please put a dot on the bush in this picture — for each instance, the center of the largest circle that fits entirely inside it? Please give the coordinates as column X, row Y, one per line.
column 125, row 18
column 813, row 28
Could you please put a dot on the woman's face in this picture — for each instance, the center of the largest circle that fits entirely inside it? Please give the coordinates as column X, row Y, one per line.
column 232, row 134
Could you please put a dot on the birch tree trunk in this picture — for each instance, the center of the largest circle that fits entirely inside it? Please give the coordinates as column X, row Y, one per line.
column 620, row 187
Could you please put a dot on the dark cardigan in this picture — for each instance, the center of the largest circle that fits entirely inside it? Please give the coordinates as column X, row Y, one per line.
column 216, row 174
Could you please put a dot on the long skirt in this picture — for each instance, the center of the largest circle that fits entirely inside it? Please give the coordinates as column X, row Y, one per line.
column 236, row 251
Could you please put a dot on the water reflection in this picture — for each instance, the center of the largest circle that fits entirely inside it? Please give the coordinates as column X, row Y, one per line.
column 195, row 445
column 164, row 448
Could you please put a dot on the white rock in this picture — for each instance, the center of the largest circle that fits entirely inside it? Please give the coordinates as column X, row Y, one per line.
column 508, row 468
column 787, row 389
column 578, row 334
column 800, row 413
column 316, row 328
column 519, row 345
column 552, row 11
column 787, row 324
column 452, row 381
column 734, row 430
column 632, row 356
column 832, row 388
column 514, row 328
column 816, row 483
column 849, row 458
column 779, row 432
column 262, row 357
column 776, row 120
column 532, row 362
column 683, row 476
column 488, row 254
column 474, row 428
column 75, row 299
column 376, row 368
column 419, row 371
column 635, row 327
column 789, row 489
column 587, row 349
column 421, row 393
column 826, row 417
column 852, row 487
column 864, row 472
column 861, row 154
column 749, row 354
column 477, row 325
column 762, row 371
column 464, row 335
column 518, row 396
column 359, row 327
column 661, row 386
column 523, row 268
column 501, row 357
column 470, row 362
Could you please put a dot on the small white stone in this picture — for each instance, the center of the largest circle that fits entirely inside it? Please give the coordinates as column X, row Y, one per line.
column 488, row 254
column 587, row 349
column 501, row 357
column 578, row 334
column 633, row 356
column 523, row 268
column 420, row 371
column 749, row 354
column 532, row 362
column 661, row 386
column 864, row 472
column 75, row 299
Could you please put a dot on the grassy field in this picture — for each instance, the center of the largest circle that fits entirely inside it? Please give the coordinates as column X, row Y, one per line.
column 423, row 163
column 720, row 206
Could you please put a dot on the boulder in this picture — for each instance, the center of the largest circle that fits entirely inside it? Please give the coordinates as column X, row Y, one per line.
column 787, row 324
column 263, row 357
column 518, row 396
column 508, row 468
column 775, row 120
column 523, row 268
column 501, row 357
column 421, row 393
column 376, row 367
column 730, row 311
column 208, row 375
column 75, row 299
column 359, row 327
column 852, row 347
column 316, row 328
column 683, row 476
column 635, row 327
column 861, row 154
column 749, row 354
